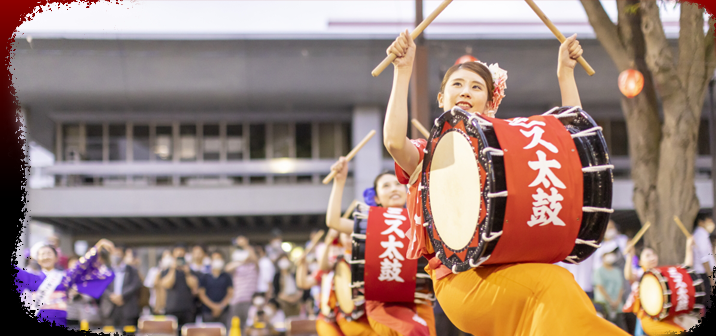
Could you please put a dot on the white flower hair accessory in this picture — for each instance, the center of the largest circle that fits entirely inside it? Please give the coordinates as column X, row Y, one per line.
column 499, row 79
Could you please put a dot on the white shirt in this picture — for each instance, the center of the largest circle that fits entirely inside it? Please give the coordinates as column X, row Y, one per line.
column 267, row 271
column 119, row 279
column 582, row 272
column 619, row 241
column 703, row 251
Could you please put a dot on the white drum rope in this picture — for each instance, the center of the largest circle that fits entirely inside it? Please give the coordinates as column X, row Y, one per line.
column 550, row 111
column 699, row 294
column 424, row 296
column 482, row 260
column 571, row 259
column 422, row 276
column 595, row 209
column 358, row 284
column 491, row 237
column 592, row 243
column 569, row 111
column 699, row 306
column 360, row 215
column 570, row 115
column 594, row 169
column 355, row 262
column 493, row 151
column 587, row 132
column 698, row 282
column 454, row 269
column 358, row 235
column 436, row 123
column 497, row 194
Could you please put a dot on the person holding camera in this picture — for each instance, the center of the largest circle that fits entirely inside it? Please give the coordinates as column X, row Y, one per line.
column 181, row 285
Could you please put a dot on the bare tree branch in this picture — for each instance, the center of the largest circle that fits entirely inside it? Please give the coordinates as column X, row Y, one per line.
column 710, row 49
column 607, row 33
column 691, row 64
column 659, row 56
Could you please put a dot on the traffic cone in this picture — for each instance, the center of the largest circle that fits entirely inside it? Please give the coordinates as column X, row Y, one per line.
column 84, row 325
column 108, row 329
column 130, row 329
column 235, row 327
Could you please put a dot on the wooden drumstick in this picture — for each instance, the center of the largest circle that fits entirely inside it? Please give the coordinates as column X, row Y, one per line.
column 351, row 207
column 419, row 29
column 682, row 227
column 350, row 155
column 420, row 128
column 638, row 235
column 559, row 35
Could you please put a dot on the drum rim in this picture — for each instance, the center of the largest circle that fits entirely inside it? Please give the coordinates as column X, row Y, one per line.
column 338, row 297
column 664, row 282
column 666, row 298
column 485, row 225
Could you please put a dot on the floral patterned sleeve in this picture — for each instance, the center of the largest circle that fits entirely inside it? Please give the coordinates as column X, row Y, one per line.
column 89, row 274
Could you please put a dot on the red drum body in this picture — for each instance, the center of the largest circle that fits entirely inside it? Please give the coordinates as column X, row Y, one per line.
column 497, row 191
column 671, row 291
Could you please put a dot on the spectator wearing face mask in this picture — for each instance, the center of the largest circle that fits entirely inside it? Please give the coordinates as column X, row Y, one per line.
column 273, row 249
column 245, row 274
column 182, row 286
column 267, row 271
column 285, row 290
column 215, row 292
column 258, row 303
column 120, row 302
column 157, row 293
column 704, row 261
column 609, row 289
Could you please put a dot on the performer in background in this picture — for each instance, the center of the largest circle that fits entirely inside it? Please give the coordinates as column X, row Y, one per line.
column 386, row 319
column 510, row 299
column 90, row 275
column 649, row 259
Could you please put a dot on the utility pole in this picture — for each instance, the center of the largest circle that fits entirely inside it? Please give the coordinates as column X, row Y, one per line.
column 419, row 95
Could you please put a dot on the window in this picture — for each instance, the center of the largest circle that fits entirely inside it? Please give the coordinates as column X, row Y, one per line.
column 140, row 143
column 346, row 133
column 257, row 141
column 234, row 142
column 303, row 141
column 187, row 143
column 326, row 141
column 211, row 143
column 118, row 142
column 71, row 142
column 93, row 151
column 163, row 143
column 281, row 141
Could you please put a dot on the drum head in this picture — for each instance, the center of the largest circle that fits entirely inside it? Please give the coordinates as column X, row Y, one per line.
column 342, row 281
column 651, row 295
column 455, row 190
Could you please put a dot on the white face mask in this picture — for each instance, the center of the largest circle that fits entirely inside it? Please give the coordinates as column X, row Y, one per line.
column 166, row 262
column 610, row 234
column 240, row 255
column 217, row 264
column 259, row 301
column 268, row 311
column 610, row 258
column 284, row 264
column 207, row 261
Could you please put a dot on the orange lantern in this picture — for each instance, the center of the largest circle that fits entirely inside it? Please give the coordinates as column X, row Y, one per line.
column 465, row 58
column 631, row 82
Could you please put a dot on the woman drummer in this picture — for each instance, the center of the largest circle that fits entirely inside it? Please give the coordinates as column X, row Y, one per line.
column 511, row 299
column 386, row 319
column 648, row 259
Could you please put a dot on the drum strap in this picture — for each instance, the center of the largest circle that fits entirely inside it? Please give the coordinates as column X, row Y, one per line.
column 416, row 173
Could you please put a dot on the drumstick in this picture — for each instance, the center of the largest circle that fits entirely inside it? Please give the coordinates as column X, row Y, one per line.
column 559, row 35
column 419, row 29
column 638, row 235
column 420, row 128
column 350, row 209
column 683, row 229
column 350, row 155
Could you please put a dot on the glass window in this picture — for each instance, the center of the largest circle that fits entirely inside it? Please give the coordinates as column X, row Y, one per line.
column 326, row 141
column 303, row 141
column 211, row 143
column 140, row 142
column 94, row 142
column 118, row 142
column 257, row 141
column 71, row 142
column 234, row 142
column 281, row 141
column 704, row 138
column 187, row 143
column 163, row 143
column 620, row 141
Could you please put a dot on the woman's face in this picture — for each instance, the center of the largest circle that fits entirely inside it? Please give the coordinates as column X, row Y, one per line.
column 46, row 258
column 648, row 259
column 390, row 193
column 466, row 90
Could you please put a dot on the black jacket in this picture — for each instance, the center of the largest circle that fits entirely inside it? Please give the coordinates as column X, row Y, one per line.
column 130, row 295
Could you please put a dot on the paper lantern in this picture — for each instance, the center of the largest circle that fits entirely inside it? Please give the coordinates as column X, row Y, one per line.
column 631, row 82
column 465, row 58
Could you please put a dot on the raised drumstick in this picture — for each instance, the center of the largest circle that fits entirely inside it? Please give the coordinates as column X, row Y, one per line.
column 418, row 30
column 638, row 235
column 420, row 128
column 350, row 209
column 683, row 228
column 350, row 155
column 559, row 35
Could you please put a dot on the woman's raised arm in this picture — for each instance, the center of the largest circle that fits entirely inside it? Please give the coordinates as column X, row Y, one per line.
column 333, row 214
column 395, row 129
column 569, row 51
